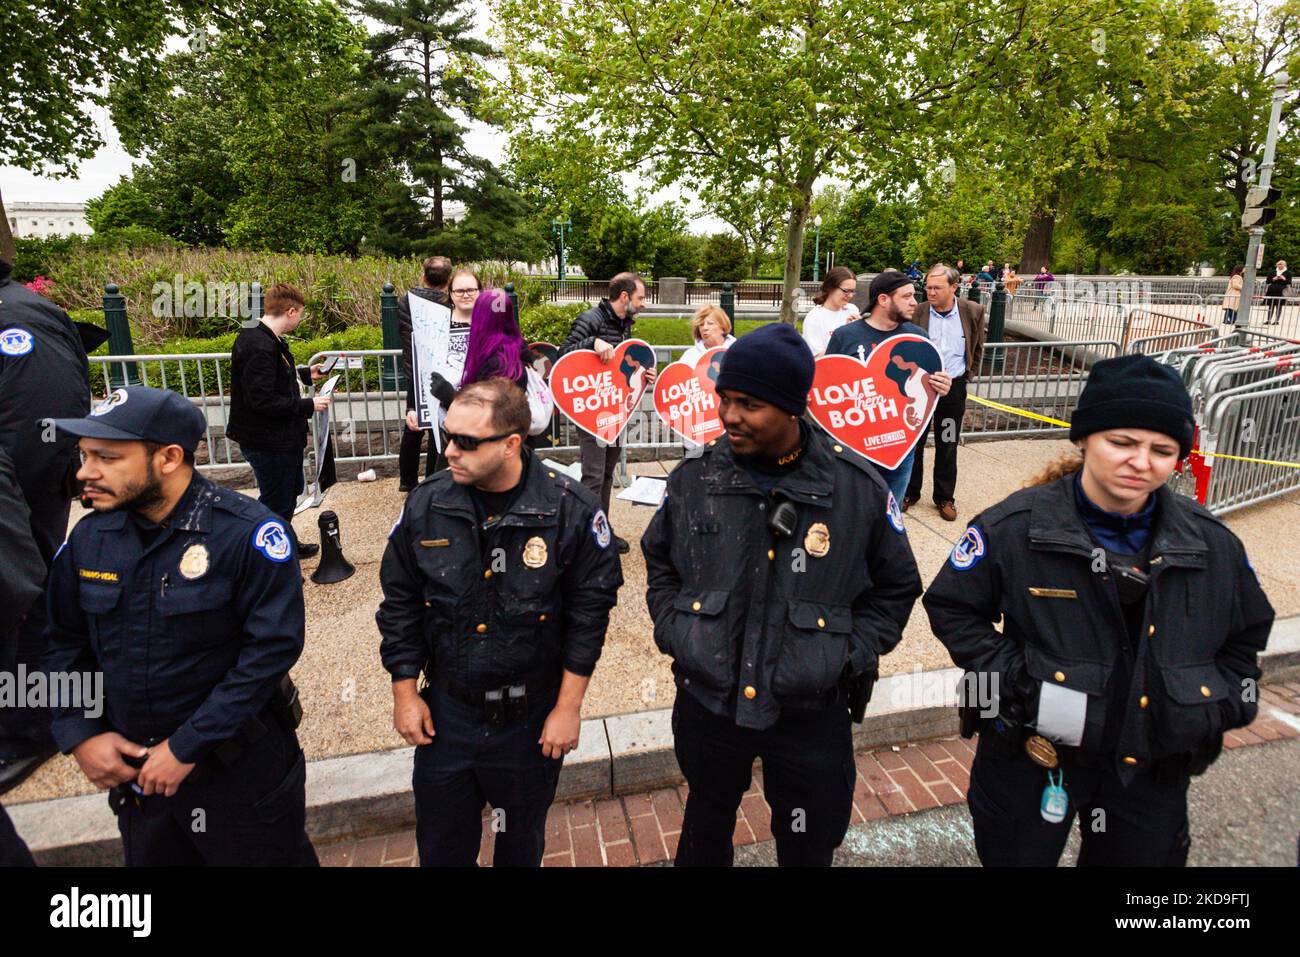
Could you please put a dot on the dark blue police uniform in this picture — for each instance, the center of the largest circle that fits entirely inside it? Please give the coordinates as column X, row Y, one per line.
column 195, row 624
column 492, row 608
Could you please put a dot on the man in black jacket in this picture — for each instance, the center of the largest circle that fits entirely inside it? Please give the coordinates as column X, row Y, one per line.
column 437, row 274
column 778, row 573
column 268, row 412
column 498, row 579
column 602, row 327
column 43, row 376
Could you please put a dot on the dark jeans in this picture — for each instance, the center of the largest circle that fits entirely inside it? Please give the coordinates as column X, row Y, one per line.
column 950, row 409
column 13, row 849
column 279, row 479
column 808, row 777
column 1144, row 824
column 470, row 764
column 408, row 456
column 598, row 466
column 252, row 813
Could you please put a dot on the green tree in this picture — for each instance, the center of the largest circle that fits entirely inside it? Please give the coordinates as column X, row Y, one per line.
column 1160, row 238
column 725, row 258
column 609, row 244
column 121, row 205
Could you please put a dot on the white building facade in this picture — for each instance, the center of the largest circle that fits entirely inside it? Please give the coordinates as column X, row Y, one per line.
column 42, row 220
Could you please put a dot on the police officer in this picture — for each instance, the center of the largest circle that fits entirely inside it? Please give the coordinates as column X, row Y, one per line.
column 43, row 374
column 778, row 573
column 1131, row 624
column 188, row 598
column 498, row 579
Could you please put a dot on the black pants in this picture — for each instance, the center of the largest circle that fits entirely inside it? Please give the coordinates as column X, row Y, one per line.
column 808, row 777
column 946, row 425
column 26, row 730
column 471, row 764
column 13, row 849
column 408, row 456
column 279, row 478
column 598, row 466
column 1143, row 824
column 252, row 813
column 1275, row 304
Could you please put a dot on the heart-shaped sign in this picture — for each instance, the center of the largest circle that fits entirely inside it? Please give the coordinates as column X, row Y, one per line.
column 878, row 408
column 687, row 401
column 600, row 397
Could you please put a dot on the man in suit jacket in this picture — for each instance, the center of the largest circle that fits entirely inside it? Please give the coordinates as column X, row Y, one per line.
column 956, row 327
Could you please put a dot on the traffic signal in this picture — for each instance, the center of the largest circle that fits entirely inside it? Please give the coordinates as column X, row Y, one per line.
column 1259, row 206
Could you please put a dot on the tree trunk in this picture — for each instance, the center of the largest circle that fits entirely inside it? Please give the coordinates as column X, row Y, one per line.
column 437, row 191
column 794, row 231
column 8, row 250
column 1038, row 240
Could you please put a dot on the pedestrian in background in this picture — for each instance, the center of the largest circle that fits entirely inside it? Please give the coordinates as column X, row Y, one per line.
column 1232, row 298
column 1275, row 291
column 833, row 308
column 268, row 412
column 1010, row 281
column 1043, row 280
column 437, row 277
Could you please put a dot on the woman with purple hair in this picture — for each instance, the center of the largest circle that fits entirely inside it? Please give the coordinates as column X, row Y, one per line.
column 496, row 346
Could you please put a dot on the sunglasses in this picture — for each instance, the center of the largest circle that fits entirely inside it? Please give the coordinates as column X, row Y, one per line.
column 470, row 443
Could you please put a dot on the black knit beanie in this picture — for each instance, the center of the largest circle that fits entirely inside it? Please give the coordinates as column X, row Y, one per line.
column 772, row 363
column 1135, row 392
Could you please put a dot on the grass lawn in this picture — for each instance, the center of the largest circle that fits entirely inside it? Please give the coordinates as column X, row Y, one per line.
column 667, row 331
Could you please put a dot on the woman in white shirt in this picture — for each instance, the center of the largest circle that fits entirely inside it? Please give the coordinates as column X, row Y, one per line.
column 710, row 328
column 834, row 307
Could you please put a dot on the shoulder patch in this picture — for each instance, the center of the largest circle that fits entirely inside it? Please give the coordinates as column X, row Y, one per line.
column 968, row 551
column 16, row 341
column 600, row 529
column 271, row 539
column 894, row 513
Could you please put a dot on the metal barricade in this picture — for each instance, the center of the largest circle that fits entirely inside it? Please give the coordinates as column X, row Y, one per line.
column 1163, row 342
column 1039, row 377
column 1258, row 421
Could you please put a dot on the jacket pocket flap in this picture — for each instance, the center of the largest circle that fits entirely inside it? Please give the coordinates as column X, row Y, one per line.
column 702, row 602
column 816, row 615
column 535, row 610
column 1087, row 676
column 189, row 598
column 1196, row 684
column 99, row 599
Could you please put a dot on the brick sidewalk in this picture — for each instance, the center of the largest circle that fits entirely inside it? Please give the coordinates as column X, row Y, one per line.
column 640, row 829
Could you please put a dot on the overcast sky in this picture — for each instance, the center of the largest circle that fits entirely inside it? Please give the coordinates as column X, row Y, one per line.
column 112, row 162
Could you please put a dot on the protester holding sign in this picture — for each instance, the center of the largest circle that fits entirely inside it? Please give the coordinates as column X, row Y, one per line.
column 710, row 328
column 600, row 329
column 778, row 573
column 686, row 397
column 1130, row 624
column 437, row 275
column 891, row 302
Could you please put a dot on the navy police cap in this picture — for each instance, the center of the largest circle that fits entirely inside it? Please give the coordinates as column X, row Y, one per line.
column 139, row 413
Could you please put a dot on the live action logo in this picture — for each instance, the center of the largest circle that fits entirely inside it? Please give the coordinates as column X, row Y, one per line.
column 77, row 910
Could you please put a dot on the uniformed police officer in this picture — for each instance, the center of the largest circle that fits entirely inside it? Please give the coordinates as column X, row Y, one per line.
column 43, row 375
column 188, row 598
column 1131, row 625
column 779, row 572
column 498, row 579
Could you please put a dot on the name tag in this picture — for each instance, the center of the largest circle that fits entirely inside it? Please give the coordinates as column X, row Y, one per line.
column 435, row 542
column 1053, row 593
column 97, row 576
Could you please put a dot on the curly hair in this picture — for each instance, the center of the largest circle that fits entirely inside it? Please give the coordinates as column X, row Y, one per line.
column 1065, row 464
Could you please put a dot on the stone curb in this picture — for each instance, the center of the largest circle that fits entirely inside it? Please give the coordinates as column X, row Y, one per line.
column 357, row 795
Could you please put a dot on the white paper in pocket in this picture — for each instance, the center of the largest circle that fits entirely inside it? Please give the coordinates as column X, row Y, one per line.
column 1062, row 713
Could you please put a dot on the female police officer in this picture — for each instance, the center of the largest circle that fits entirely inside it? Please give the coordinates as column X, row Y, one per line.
column 1131, row 622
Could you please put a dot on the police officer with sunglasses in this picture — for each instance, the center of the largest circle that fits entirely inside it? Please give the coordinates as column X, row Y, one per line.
column 498, row 579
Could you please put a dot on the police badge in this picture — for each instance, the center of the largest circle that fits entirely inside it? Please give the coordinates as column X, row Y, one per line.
column 194, row 563
column 535, row 552
column 817, row 541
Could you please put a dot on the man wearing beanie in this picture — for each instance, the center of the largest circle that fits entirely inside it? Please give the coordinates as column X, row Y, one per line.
column 1131, row 624
column 778, row 573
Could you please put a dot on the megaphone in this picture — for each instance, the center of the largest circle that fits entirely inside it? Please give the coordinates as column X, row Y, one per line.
column 333, row 566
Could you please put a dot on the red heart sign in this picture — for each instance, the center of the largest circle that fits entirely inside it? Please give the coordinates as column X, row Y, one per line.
column 600, row 397
column 880, row 407
column 687, row 401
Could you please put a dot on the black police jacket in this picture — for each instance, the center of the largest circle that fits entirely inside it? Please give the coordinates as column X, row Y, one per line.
column 44, row 375
column 24, row 572
column 267, row 409
column 193, row 631
column 754, row 622
column 1030, row 561
column 442, row 390
column 598, row 322
column 482, row 607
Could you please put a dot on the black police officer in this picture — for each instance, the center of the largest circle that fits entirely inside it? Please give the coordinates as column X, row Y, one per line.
column 188, row 598
column 498, row 579
column 779, row 572
column 1131, row 625
column 43, row 375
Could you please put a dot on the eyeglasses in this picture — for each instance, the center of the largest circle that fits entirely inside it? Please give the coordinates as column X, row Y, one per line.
column 470, row 443
column 463, row 292
column 848, row 292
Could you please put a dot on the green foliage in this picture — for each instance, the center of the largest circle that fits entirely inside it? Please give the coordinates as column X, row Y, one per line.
column 725, row 259
column 37, row 256
column 609, row 244
column 1159, row 238
column 865, row 234
column 549, row 322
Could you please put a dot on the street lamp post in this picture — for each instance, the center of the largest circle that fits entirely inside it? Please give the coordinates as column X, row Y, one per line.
column 558, row 226
column 1280, row 81
column 817, row 246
